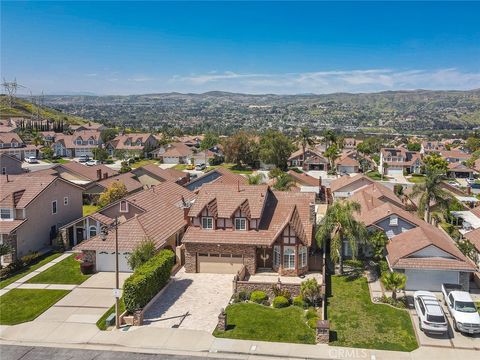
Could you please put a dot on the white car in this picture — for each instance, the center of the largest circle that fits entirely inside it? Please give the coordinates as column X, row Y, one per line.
column 31, row 160
column 92, row 162
column 462, row 309
column 431, row 317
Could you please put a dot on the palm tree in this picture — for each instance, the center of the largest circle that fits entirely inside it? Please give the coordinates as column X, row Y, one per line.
column 430, row 192
column 339, row 224
column 283, row 182
column 306, row 139
column 330, row 137
column 254, row 179
column 332, row 154
column 394, row 281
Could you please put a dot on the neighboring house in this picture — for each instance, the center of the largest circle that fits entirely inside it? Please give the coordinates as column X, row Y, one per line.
column 347, row 163
column 458, row 170
column 428, row 147
column 83, row 175
column 191, row 141
column 128, row 179
column 474, row 237
column 12, row 144
column 345, row 186
column 33, row 208
column 152, row 174
column 157, row 214
column 314, row 160
column 88, row 126
column 48, row 137
column 10, row 165
column 202, row 157
column 351, row 143
column 132, row 144
column 453, row 156
column 80, row 143
column 220, row 176
column 234, row 226
column 174, row 153
column 394, row 161
column 303, row 179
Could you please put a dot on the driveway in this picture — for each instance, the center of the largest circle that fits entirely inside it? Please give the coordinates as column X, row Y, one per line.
column 191, row 301
column 87, row 302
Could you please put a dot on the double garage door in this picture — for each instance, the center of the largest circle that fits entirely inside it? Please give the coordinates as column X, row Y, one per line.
column 219, row 263
column 106, row 261
column 429, row 279
column 394, row 171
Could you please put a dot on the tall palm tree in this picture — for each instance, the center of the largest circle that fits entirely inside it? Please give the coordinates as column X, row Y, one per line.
column 430, row 192
column 329, row 137
column 332, row 154
column 339, row 224
column 306, row 139
column 284, row 182
column 394, row 281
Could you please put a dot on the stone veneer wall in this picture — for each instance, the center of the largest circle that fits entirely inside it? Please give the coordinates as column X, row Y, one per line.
column 10, row 239
column 464, row 280
column 250, row 286
column 248, row 253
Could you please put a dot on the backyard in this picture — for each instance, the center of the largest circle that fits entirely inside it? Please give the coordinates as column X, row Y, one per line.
column 66, row 271
column 257, row 322
column 356, row 322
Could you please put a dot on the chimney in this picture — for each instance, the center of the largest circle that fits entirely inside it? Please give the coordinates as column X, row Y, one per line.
column 7, row 178
column 312, row 213
column 99, row 174
column 469, row 189
column 105, row 175
column 238, row 185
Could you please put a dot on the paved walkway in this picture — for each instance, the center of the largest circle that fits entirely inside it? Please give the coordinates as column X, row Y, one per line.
column 21, row 283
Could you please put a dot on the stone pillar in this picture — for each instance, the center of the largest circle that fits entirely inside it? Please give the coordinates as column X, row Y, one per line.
column 138, row 317
column 464, row 280
column 222, row 321
column 323, row 332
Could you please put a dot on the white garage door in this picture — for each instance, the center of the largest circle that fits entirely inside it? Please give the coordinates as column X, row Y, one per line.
column 219, row 264
column 106, row 261
column 394, row 171
column 429, row 279
column 170, row 160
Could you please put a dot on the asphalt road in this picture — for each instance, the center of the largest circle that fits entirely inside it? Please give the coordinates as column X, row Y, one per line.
column 11, row 352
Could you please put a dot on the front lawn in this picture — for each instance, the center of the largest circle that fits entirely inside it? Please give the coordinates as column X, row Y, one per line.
column 250, row 321
column 356, row 322
column 57, row 161
column 419, row 179
column 374, row 175
column 42, row 260
column 66, row 271
column 89, row 209
column 21, row 305
column 180, row 167
column 143, row 162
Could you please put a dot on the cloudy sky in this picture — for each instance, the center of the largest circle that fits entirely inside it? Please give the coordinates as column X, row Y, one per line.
column 283, row 48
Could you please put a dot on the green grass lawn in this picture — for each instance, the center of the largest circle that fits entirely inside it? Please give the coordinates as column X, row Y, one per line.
column 374, row 175
column 257, row 322
column 66, row 271
column 57, row 161
column 143, row 162
column 28, row 269
column 180, row 167
column 21, row 305
column 416, row 179
column 356, row 322
column 101, row 321
column 89, row 209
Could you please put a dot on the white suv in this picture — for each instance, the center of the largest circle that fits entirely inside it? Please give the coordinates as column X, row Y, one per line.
column 431, row 317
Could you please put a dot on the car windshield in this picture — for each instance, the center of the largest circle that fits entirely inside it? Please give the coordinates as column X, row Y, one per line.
column 465, row 306
column 436, row 318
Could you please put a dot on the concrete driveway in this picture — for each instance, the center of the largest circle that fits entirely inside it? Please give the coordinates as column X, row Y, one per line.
column 191, row 301
column 87, row 302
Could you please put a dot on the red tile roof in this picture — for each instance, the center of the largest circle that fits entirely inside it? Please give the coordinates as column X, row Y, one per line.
column 90, row 172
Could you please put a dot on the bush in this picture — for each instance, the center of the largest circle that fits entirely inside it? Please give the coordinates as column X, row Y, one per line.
column 298, row 301
column 311, row 313
column 258, row 296
column 280, row 302
column 244, row 295
column 10, row 269
column 278, row 291
column 312, row 323
column 147, row 280
column 383, row 267
column 28, row 259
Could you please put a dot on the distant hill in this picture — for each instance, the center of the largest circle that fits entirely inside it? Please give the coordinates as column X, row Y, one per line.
column 225, row 112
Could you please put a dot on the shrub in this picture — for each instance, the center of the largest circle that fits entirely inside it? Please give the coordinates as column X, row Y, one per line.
column 244, row 296
column 280, row 302
column 142, row 253
column 28, row 259
column 298, row 301
column 278, row 291
column 147, row 280
column 258, row 296
column 312, row 323
column 310, row 290
column 311, row 313
column 383, row 266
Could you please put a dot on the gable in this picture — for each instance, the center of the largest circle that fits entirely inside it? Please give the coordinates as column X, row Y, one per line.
column 431, row 251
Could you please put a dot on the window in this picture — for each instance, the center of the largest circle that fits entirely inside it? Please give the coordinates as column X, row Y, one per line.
column 54, row 207
column 276, row 255
column 289, row 257
column 240, row 224
column 207, row 222
column 4, row 171
column 393, row 220
column 303, row 256
column 420, row 305
column 65, row 200
column 123, row 206
column 92, row 231
column 6, row 214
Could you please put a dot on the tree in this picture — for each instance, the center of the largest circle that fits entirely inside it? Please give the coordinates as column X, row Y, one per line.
column 108, row 134
column 241, row 149
column 329, row 137
column 125, row 167
column 306, row 139
column 435, row 162
column 468, row 249
column 142, row 253
column 378, row 240
column 370, row 145
column 276, row 148
column 332, row 154
column 394, row 281
column 284, row 182
column 254, row 179
column 472, row 144
column 47, row 153
column 414, row 146
column 310, row 290
column 100, row 154
column 338, row 225
column 116, row 191
column 209, row 141
column 430, row 192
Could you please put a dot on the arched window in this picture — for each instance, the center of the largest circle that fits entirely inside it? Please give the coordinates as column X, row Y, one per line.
column 92, row 231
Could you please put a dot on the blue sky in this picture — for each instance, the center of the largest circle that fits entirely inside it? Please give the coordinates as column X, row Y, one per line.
column 285, row 48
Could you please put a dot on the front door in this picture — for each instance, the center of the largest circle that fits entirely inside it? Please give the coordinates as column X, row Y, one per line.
column 79, row 235
column 264, row 258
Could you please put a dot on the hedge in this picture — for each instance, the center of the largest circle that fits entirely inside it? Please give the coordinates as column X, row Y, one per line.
column 147, row 280
column 258, row 296
column 280, row 302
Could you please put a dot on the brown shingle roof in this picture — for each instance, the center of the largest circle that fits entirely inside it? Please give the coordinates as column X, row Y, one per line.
column 304, row 179
column 343, row 181
column 90, row 172
column 177, row 149
column 128, row 179
column 474, row 238
column 166, row 174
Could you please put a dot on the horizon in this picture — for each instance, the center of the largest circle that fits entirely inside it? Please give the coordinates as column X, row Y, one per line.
column 278, row 48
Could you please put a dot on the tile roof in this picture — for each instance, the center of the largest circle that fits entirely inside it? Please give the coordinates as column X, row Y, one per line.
column 219, row 175
column 166, row 174
column 6, row 227
column 459, row 167
column 304, row 179
column 119, row 142
column 9, row 137
column 128, row 179
column 177, row 149
column 454, row 154
column 90, row 172
column 474, row 237
column 343, row 181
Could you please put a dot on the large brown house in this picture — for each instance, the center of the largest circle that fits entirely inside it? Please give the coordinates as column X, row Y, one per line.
column 236, row 225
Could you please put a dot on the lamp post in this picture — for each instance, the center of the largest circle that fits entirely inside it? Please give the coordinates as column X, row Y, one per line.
column 103, row 234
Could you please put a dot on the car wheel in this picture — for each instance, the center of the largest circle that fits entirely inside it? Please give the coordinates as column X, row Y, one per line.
column 455, row 327
column 420, row 324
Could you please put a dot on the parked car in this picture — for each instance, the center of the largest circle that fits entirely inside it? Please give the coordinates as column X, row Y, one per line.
column 93, row 162
column 31, row 160
column 190, row 167
column 462, row 309
column 431, row 317
column 83, row 158
column 200, row 167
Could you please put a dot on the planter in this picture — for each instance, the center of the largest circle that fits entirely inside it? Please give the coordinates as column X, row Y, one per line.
column 86, row 268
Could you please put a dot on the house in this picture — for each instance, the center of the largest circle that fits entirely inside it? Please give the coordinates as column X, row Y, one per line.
column 345, row 186
column 454, row 155
column 428, row 147
column 174, row 153
column 348, row 163
column 152, row 174
column 80, row 143
column 234, row 226
column 132, row 144
column 157, row 214
column 12, row 144
column 48, row 137
column 128, row 179
column 191, row 141
column 303, row 179
column 394, row 161
column 10, row 164
column 314, row 160
column 33, row 208
column 458, row 170
column 83, row 175
column 474, row 237
column 88, row 126
column 219, row 176
column 351, row 143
